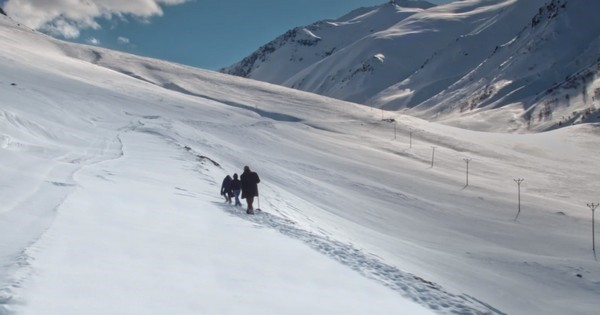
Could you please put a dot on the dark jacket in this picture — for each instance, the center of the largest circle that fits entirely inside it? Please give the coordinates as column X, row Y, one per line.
column 226, row 186
column 249, row 181
column 235, row 184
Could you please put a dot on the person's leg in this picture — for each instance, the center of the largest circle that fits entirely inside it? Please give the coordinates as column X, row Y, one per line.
column 236, row 193
column 250, row 200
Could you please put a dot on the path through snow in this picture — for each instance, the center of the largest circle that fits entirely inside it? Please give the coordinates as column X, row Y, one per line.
column 408, row 285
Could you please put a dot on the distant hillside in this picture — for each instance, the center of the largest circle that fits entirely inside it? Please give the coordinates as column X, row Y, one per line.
column 443, row 62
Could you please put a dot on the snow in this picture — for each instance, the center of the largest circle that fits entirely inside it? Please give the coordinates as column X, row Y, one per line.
column 139, row 242
column 450, row 61
column 112, row 164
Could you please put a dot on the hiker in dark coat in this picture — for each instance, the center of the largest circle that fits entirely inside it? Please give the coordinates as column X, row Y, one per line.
column 226, row 189
column 249, row 181
column 236, row 188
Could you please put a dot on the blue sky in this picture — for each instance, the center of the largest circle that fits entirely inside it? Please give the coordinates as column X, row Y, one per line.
column 208, row 34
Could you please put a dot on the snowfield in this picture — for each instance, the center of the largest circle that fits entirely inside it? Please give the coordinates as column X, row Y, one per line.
column 110, row 176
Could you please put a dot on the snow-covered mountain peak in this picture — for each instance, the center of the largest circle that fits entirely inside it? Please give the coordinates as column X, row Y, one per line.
column 293, row 51
column 446, row 62
column 412, row 4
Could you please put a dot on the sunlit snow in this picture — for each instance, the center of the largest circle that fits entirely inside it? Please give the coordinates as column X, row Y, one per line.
column 110, row 177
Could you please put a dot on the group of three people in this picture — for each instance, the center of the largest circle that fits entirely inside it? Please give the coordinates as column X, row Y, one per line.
column 247, row 185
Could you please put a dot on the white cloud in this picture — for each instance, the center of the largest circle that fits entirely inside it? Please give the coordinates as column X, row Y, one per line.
column 93, row 41
column 123, row 40
column 67, row 17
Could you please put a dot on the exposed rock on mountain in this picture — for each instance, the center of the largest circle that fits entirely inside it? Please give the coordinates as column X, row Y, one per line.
column 504, row 57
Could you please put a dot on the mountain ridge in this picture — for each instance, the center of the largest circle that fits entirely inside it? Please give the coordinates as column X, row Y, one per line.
column 436, row 63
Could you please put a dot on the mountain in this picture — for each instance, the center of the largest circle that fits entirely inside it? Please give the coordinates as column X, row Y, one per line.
column 302, row 47
column 500, row 60
column 112, row 166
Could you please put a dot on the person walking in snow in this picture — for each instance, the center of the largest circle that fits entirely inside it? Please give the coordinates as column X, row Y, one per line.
column 249, row 182
column 226, row 189
column 236, row 188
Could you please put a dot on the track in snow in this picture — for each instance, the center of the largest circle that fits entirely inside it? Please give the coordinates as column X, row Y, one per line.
column 408, row 285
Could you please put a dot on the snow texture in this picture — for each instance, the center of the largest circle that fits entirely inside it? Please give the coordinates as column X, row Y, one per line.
column 532, row 65
column 110, row 176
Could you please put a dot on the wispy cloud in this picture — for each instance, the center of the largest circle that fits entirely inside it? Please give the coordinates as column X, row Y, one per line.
column 123, row 40
column 93, row 41
column 68, row 17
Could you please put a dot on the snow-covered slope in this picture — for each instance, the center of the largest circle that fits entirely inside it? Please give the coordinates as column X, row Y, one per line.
column 485, row 59
column 111, row 168
column 279, row 61
column 549, row 70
